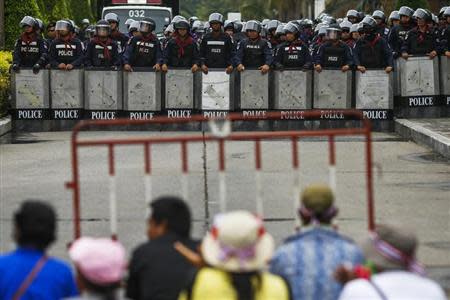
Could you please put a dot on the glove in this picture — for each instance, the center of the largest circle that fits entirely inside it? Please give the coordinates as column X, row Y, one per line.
column 113, row 68
column 15, row 67
column 36, row 68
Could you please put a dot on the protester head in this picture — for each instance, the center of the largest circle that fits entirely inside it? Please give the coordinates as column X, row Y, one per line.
column 169, row 215
column 317, row 205
column 392, row 247
column 100, row 264
column 238, row 243
column 35, row 225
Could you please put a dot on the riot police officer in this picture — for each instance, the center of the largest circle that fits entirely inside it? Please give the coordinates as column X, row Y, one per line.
column 352, row 16
column 372, row 51
column 420, row 40
column 254, row 52
column 85, row 23
column 306, row 31
column 51, row 32
column 30, row 50
column 293, row 53
column 333, row 53
column 271, row 29
column 143, row 50
column 394, row 18
column 240, row 34
column 102, row 51
column 345, row 33
column 230, row 28
column 120, row 38
column 198, row 31
column 128, row 23
column 382, row 29
column 65, row 52
column 181, row 51
column 133, row 30
column 216, row 49
column 354, row 33
column 398, row 33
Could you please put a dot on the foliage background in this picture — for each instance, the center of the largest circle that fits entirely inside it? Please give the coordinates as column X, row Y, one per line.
column 5, row 62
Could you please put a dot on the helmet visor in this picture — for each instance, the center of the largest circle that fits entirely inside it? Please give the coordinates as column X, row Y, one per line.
column 61, row 25
column 145, row 27
column 102, row 31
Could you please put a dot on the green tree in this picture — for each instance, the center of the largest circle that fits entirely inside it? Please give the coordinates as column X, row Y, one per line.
column 16, row 10
column 414, row 4
column 57, row 9
column 80, row 9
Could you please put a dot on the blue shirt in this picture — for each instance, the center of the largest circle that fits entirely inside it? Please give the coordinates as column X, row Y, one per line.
column 308, row 260
column 54, row 281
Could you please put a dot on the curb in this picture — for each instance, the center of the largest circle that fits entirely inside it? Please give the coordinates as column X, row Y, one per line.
column 423, row 136
column 5, row 125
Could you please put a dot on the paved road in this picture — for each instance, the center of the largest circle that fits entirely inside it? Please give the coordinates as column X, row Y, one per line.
column 413, row 186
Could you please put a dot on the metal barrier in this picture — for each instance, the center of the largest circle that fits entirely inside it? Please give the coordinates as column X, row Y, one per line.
column 292, row 89
column 220, row 137
column 333, row 89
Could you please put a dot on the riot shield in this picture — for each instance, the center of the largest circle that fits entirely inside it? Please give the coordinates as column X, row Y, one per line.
column 292, row 89
column 216, row 91
column 179, row 92
column 445, row 80
column 254, row 90
column 67, row 93
column 332, row 89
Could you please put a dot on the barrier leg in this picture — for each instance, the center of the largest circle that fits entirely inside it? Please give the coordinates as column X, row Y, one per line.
column 113, row 206
column 222, row 192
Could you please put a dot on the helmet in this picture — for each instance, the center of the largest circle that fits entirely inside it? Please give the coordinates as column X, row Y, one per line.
column 434, row 18
column 64, row 25
column 192, row 20
column 253, row 25
column 102, row 28
column 369, row 22
column 128, row 22
column 447, row 12
column 85, row 22
column 39, row 24
column 291, row 28
column 394, row 15
column 28, row 21
column 378, row 14
column 272, row 25
column 112, row 17
column 147, row 25
column 198, row 26
column 178, row 18
column 354, row 28
column 333, row 32
column 182, row 24
column 421, row 13
column 239, row 25
column 352, row 13
column 329, row 19
column 345, row 25
column 89, row 32
column 361, row 27
column 441, row 11
column 134, row 26
column 169, row 29
column 306, row 23
column 323, row 29
column 280, row 30
column 215, row 18
column 265, row 22
column 406, row 11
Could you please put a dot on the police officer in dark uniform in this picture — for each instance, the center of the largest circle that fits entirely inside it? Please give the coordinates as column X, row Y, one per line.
column 398, row 32
column 445, row 40
column 271, row 36
column 102, row 51
column 51, row 32
column 254, row 52
column 306, row 31
column 293, row 53
column 382, row 29
column 181, row 51
column 120, row 38
column 394, row 19
column 420, row 40
column 239, row 35
column 352, row 16
column 333, row 53
column 30, row 50
column 345, row 34
column 216, row 49
column 65, row 53
column 144, row 50
column 372, row 51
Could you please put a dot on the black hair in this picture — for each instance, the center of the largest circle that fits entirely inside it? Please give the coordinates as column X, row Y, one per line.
column 35, row 223
column 175, row 212
column 242, row 283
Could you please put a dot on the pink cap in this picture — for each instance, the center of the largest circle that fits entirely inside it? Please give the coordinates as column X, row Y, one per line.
column 101, row 261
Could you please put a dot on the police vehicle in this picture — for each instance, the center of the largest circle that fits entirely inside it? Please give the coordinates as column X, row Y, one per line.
column 159, row 10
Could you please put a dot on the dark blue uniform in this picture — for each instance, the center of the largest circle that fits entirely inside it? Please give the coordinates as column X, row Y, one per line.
column 254, row 54
column 121, row 40
column 334, row 56
column 292, row 55
column 102, row 54
column 181, row 57
column 419, row 43
column 217, row 52
column 143, row 52
column 27, row 53
column 373, row 53
column 396, row 38
column 66, row 52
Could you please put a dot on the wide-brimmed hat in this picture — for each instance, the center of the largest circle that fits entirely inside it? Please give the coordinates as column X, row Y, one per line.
column 101, row 261
column 238, row 243
column 392, row 247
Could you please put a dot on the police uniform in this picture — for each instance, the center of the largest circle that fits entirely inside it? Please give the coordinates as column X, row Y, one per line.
column 30, row 51
column 177, row 56
column 254, row 54
column 383, row 31
column 419, row 43
column 121, row 40
column 334, row 56
column 372, row 53
column 217, row 52
column 66, row 52
column 102, row 54
column 292, row 55
column 397, row 36
column 143, row 52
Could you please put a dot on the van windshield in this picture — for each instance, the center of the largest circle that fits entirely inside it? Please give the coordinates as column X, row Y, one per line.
column 161, row 17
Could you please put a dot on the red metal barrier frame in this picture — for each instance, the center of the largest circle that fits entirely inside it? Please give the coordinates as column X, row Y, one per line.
column 147, row 142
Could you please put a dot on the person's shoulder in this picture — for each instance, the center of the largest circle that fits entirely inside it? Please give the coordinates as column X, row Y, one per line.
column 59, row 264
column 358, row 289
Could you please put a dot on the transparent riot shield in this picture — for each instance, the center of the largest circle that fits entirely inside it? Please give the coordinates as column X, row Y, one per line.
column 292, row 89
column 332, row 89
column 142, row 93
column 67, row 94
